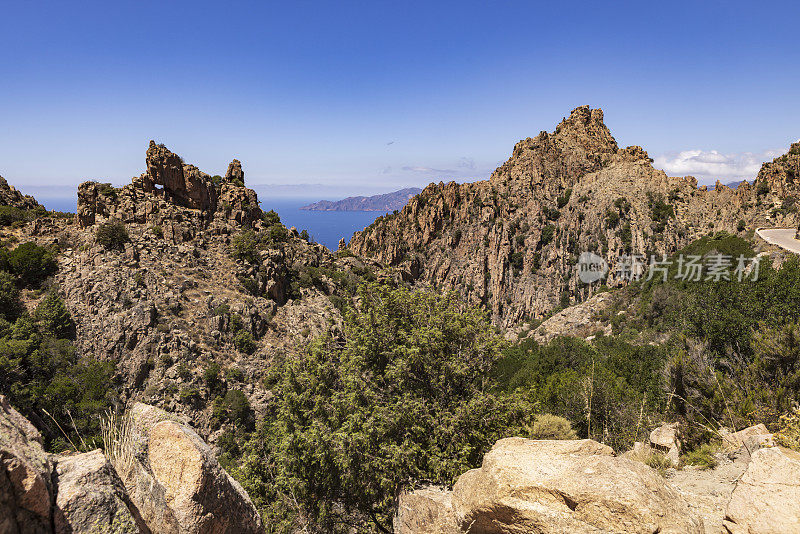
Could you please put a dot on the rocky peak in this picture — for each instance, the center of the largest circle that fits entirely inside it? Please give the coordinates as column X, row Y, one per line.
column 235, row 172
column 184, row 183
column 781, row 175
column 513, row 242
column 169, row 191
column 580, row 144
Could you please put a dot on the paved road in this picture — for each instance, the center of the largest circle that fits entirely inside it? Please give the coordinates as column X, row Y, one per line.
column 782, row 237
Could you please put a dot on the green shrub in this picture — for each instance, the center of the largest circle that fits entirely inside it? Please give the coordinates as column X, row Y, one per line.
column 548, row 232
column 10, row 305
column 564, row 199
column 32, row 263
column 612, row 219
column 789, row 433
column 659, row 462
column 245, row 246
column 106, row 189
column 271, row 218
column 234, row 374
column 547, row 426
column 211, row 376
column 401, row 399
column 238, row 407
column 10, row 215
column 702, row 456
column 54, row 317
column 158, row 231
column 112, row 235
column 244, row 342
column 189, row 395
column 278, row 234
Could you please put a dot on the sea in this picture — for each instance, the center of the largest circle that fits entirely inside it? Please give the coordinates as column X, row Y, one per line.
column 324, row 227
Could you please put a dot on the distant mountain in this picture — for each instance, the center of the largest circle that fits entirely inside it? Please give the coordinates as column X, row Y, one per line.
column 386, row 202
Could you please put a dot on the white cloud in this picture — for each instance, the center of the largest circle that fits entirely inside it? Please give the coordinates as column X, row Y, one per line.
column 710, row 165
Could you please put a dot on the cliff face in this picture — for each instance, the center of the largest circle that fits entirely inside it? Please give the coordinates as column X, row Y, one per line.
column 512, row 242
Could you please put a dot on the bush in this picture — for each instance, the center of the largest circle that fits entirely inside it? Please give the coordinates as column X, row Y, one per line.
column 32, row 263
column 702, row 456
column 278, row 234
column 271, row 218
column 10, row 215
column 245, row 246
column 548, row 232
column 211, row 376
column 402, row 398
column 244, row 342
column 54, row 317
column 189, row 395
column 238, row 407
column 789, row 433
column 112, row 235
column 564, row 199
column 659, row 462
column 10, row 305
column 547, row 426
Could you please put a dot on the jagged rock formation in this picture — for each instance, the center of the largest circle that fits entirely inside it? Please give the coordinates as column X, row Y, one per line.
column 172, row 194
column 9, row 196
column 173, row 302
column 383, row 203
column 170, row 483
column 512, row 242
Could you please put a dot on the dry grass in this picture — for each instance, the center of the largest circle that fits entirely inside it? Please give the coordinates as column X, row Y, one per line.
column 119, row 441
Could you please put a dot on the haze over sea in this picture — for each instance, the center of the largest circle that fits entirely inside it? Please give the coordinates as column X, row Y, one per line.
column 325, row 227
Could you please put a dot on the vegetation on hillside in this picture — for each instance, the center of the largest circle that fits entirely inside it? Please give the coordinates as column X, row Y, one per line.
column 707, row 353
column 40, row 371
column 401, row 397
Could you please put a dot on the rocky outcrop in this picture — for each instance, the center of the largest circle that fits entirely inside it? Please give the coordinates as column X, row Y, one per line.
column 665, row 439
column 512, row 242
column 781, row 176
column 169, row 481
column 26, row 492
column 766, row 499
column 9, row 196
column 174, row 479
column 551, row 486
column 170, row 192
column 91, row 498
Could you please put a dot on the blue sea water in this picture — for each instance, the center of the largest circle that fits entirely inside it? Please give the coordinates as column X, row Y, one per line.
column 325, row 227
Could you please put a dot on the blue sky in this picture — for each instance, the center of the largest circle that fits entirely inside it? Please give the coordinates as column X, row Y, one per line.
column 364, row 97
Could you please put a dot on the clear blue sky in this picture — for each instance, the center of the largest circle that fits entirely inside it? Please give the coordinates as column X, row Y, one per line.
column 315, row 92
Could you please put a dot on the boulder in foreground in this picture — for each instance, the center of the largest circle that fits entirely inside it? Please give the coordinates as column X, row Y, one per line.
column 176, row 482
column 567, row 486
column 26, row 493
column 766, row 499
column 91, row 498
